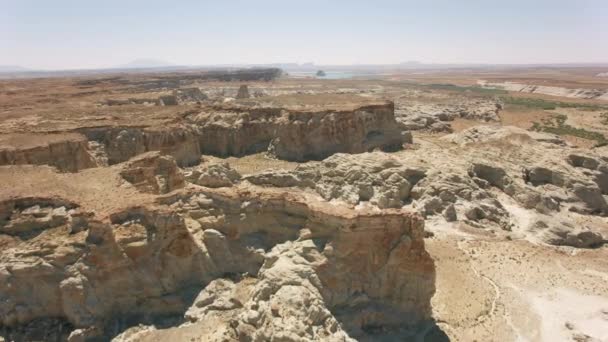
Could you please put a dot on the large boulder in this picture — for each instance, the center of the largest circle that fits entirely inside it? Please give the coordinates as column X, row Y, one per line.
column 153, row 172
column 243, row 92
column 563, row 233
column 376, row 178
column 214, row 175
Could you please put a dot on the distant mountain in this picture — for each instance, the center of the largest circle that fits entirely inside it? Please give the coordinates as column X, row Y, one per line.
column 146, row 63
column 410, row 63
column 12, row 68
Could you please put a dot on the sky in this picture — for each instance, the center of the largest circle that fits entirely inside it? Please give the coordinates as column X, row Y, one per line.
column 63, row 34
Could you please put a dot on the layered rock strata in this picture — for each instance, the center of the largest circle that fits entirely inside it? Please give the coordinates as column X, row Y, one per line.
column 299, row 135
column 364, row 271
column 67, row 152
column 275, row 125
column 154, row 173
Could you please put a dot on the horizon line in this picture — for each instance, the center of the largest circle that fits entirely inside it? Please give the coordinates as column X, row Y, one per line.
column 403, row 65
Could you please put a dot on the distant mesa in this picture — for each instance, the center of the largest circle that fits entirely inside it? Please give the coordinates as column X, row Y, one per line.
column 411, row 65
column 12, row 68
column 146, row 63
column 321, row 73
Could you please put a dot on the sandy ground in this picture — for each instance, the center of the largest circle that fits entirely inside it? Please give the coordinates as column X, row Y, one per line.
column 491, row 289
column 252, row 163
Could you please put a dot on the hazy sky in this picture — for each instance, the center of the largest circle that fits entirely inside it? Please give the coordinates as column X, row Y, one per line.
column 62, row 34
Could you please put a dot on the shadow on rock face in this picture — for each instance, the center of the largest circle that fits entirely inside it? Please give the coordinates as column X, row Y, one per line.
column 435, row 334
column 425, row 332
column 48, row 329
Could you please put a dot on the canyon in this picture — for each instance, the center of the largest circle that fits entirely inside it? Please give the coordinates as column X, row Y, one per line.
column 249, row 206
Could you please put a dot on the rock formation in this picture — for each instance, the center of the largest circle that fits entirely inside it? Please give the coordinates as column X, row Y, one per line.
column 214, row 176
column 348, row 124
column 373, row 177
column 140, row 221
column 579, row 93
column 437, row 117
column 296, row 134
column 67, row 152
column 347, row 272
column 185, row 95
column 243, row 92
column 477, row 190
column 153, row 173
column 122, row 143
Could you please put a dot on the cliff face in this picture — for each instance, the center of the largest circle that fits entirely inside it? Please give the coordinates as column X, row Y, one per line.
column 122, row 143
column 67, row 152
column 315, row 136
column 298, row 135
column 153, row 173
column 311, row 132
column 145, row 260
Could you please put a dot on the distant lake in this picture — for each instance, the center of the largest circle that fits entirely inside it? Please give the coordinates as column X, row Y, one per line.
column 331, row 75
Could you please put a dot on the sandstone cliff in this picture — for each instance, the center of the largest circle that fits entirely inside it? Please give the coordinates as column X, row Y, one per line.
column 154, row 173
column 119, row 144
column 279, row 125
column 299, row 134
column 363, row 270
column 67, row 152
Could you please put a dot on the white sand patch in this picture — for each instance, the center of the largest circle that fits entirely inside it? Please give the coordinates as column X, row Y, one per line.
column 521, row 218
column 580, row 93
column 441, row 228
column 565, row 313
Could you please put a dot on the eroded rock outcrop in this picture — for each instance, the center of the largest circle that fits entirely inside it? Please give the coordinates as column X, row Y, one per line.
column 275, row 125
column 298, row 134
column 437, row 117
column 580, row 93
column 185, row 95
column 490, row 134
column 88, row 276
column 376, row 178
column 214, row 175
column 343, row 272
column 459, row 197
column 154, row 173
column 243, row 92
column 67, row 152
column 565, row 233
column 121, row 144
column 580, row 194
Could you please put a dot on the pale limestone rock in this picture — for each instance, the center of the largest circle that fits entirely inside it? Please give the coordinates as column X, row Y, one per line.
column 214, row 176
column 294, row 264
column 374, row 177
column 243, row 92
column 153, row 173
column 436, row 117
column 68, row 152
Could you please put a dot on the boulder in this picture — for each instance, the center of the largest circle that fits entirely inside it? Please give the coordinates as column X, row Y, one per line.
column 214, row 176
column 185, row 95
column 374, row 177
column 243, row 92
column 153, row 172
column 495, row 176
column 563, row 233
